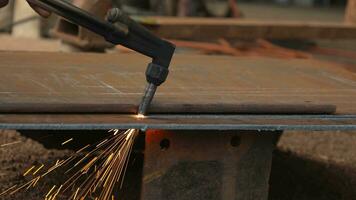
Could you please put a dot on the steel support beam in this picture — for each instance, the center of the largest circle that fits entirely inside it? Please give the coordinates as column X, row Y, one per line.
column 202, row 165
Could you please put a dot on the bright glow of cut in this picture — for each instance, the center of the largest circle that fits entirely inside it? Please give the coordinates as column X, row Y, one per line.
column 140, row 116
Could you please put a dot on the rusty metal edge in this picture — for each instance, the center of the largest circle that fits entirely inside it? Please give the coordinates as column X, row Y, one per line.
column 174, row 122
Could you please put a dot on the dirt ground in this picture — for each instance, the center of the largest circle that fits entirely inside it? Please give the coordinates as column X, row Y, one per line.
column 313, row 165
column 15, row 159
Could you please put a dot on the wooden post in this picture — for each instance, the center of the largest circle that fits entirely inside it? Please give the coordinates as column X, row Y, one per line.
column 29, row 29
column 351, row 12
column 6, row 14
column 77, row 38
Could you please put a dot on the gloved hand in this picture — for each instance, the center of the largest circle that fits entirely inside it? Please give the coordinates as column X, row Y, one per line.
column 38, row 9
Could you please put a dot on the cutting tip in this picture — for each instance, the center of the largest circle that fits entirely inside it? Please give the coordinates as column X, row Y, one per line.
column 140, row 116
column 147, row 98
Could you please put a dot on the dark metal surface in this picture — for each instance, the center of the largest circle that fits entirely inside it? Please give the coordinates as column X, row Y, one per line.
column 178, row 122
column 59, row 82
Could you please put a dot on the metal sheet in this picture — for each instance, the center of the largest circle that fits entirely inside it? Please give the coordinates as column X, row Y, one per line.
column 103, row 83
column 178, row 122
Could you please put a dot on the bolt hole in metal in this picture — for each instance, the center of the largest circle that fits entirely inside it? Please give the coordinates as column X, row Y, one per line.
column 165, row 144
column 235, row 141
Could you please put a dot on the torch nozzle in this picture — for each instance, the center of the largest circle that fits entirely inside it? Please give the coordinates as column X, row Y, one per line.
column 147, row 99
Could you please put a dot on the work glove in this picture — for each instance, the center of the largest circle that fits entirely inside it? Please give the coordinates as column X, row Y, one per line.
column 38, row 9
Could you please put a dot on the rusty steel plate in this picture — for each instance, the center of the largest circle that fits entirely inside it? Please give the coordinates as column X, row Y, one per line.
column 114, row 83
column 177, row 122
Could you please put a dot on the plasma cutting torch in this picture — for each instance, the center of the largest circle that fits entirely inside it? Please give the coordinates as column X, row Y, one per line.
column 118, row 28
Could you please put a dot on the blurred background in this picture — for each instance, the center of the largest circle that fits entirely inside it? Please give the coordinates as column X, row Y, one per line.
column 18, row 14
column 306, row 165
